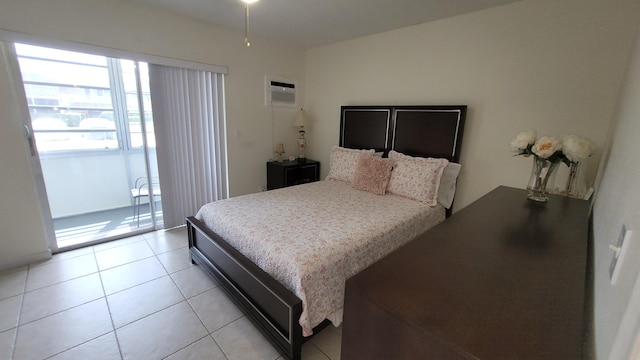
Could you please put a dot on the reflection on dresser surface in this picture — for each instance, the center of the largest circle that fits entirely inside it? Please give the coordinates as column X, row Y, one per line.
column 504, row 278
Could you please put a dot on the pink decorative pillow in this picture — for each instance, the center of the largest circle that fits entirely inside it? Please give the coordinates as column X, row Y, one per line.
column 415, row 177
column 372, row 174
column 342, row 163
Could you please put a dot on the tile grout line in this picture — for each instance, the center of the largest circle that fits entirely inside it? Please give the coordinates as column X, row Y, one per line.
column 194, row 311
column 28, row 270
column 127, row 263
column 206, row 336
column 210, row 334
column 59, row 282
column 145, row 282
column 322, row 351
column 153, row 313
column 105, row 297
column 113, row 325
column 24, row 290
column 278, row 356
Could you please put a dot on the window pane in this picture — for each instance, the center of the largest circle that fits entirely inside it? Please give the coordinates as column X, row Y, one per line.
column 73, row 74
column 135, row 126
column 53, row 134
column 69, row 97
column 59, row 96
column 62, row 55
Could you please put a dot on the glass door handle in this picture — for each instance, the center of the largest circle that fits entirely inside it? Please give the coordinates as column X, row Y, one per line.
column 27, row 135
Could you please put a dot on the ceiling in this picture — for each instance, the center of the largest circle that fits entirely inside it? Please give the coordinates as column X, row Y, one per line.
column 311, row 23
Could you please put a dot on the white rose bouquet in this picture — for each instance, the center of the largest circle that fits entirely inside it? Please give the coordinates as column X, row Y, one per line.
column 547, row 153
column 569, row 149
column 576, row 148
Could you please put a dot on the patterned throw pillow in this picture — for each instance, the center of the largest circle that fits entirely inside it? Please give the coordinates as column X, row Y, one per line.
column 415, row 177
column 342, row 163
column 372, row 174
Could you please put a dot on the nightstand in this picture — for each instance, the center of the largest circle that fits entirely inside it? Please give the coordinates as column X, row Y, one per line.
column 289, row 173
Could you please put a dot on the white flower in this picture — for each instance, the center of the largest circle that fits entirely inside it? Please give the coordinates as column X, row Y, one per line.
column 546, row 146
column 523, row 140
column 576, row 148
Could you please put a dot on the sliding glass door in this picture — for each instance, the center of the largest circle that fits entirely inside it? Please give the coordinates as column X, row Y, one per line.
column 92, row 128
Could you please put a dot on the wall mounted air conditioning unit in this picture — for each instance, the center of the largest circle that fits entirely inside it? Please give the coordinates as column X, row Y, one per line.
column 280, row 93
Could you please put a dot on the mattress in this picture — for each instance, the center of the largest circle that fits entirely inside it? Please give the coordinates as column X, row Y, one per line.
column 313, row 237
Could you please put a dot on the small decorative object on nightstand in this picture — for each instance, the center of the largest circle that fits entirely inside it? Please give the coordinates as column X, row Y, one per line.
column 280, row 151
column 289, row 173
column 302, row 143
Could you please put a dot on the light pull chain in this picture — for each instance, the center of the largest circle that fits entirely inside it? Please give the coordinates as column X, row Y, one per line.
column 246, row 25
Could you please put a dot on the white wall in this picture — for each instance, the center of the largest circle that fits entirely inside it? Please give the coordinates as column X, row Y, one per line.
column 138, row 28
column 617, row 202
column 554, row 66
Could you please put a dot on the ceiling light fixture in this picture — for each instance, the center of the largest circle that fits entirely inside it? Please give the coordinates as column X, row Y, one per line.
column 246, row 21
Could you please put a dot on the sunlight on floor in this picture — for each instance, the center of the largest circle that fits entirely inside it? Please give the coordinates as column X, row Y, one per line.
column 85, row 228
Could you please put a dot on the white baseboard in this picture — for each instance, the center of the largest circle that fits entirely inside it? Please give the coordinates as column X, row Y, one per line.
column 25, row 260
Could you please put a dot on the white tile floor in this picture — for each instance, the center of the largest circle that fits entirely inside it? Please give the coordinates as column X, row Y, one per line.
column 137, row 298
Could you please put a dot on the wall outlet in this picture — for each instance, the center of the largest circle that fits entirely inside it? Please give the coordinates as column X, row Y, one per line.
column 619, row 251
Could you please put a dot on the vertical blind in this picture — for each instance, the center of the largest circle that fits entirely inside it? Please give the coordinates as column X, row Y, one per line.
column 188, row 115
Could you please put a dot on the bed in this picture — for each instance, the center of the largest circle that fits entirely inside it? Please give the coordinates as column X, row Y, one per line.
column 288, row 311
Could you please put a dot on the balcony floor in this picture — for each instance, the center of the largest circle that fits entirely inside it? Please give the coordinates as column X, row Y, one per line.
column 103, row 225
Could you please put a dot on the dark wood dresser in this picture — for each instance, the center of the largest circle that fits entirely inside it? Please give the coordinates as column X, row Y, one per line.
column 504, row 278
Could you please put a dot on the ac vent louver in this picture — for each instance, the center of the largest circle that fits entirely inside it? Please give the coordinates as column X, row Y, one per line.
column 280, row 93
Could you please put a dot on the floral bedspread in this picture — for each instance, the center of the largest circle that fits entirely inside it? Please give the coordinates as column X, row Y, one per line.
column 313, row 237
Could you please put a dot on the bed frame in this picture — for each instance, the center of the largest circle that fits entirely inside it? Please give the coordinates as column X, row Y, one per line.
column 434, row 131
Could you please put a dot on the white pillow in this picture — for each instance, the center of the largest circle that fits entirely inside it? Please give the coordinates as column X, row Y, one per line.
column 342, row 162
column 447, row 189
column 416, row 177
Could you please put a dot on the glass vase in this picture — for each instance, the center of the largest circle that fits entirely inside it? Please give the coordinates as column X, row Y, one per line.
column 542, row 171
column 576, row 186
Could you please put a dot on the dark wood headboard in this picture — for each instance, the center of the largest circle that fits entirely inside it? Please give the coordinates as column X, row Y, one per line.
column 427, row 131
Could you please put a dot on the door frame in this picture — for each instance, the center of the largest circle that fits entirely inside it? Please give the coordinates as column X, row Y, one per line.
column 36, row 162
column 34, row 158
